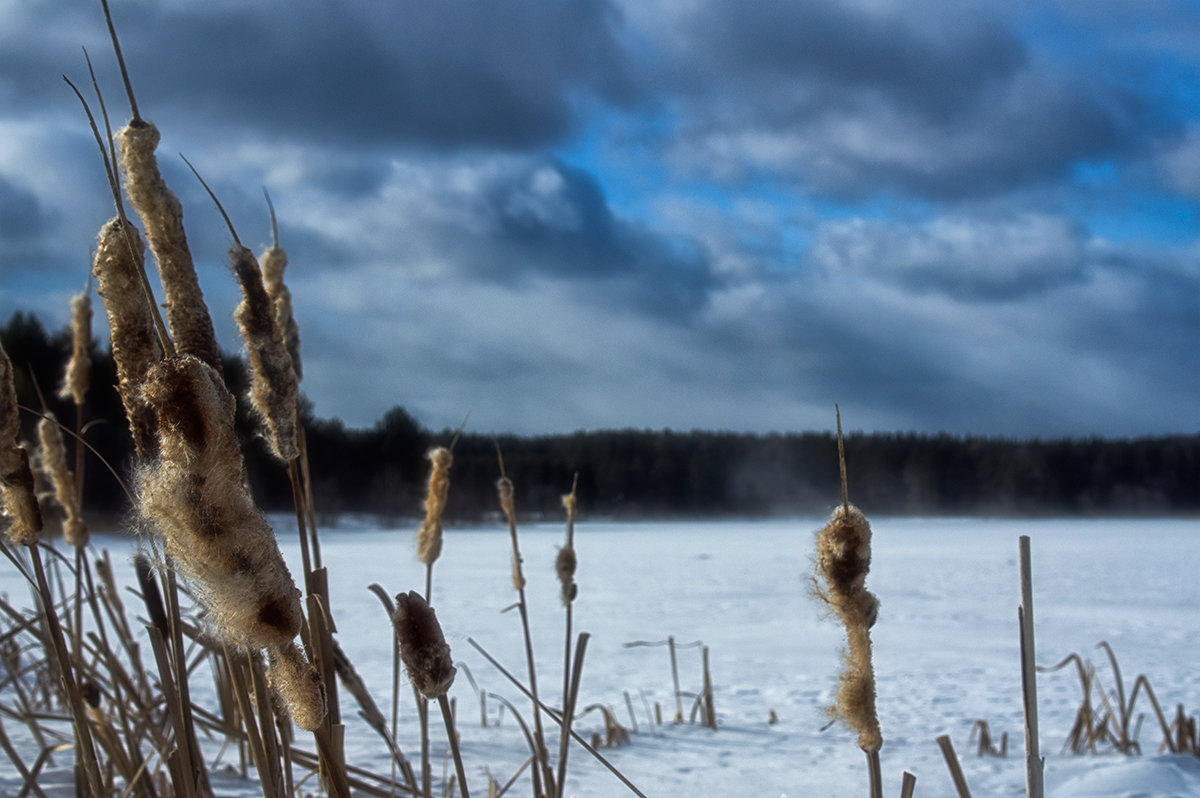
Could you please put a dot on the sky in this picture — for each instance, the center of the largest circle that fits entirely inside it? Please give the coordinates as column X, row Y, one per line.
column 977, row 217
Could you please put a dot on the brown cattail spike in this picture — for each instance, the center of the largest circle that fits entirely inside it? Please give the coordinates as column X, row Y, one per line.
column 274, row 262
column 54, row 463
column 18, row 502
column 423, row 646
column 843, row 559
column 117, row 269
column 76, row 378
column 298, row 685
column 273, row 388
column 194, row 496
column 162, row 217
column 429, row 536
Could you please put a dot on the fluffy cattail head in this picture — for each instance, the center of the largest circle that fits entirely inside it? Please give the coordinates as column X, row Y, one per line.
column 194, row 496
column 54, row 464
column 298, row 685
column 274, row 261
column 564, row 566
column 423, row 646
column 76, row 380
column 843, row 559
column 18, row 502
column 429, row 536
column 162, row 217
column 117, row 268
column 273, row 387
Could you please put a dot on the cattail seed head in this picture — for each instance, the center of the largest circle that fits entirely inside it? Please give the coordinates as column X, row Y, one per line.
column 298, row 685
column 423, row 646
column 162, row 217
column 843, row 559
column 273, row 387
column 76, row 379
column 117, row 268
column 18, row 501
column 564, row 566
column 273, row 262
column 429, row 536
column 54, row 463
column 194, row 496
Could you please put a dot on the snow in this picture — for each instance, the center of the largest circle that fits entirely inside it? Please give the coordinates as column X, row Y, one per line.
column 945, row 649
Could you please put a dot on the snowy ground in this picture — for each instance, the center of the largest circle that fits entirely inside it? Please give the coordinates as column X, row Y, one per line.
column 946, row 649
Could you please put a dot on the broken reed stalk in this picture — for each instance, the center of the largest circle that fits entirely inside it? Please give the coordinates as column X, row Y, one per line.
column 956, row 774
column 504, row 487
column 1033, row 759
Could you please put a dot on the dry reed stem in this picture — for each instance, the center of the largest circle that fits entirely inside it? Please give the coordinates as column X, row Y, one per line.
column 135, row 347
column 18, row 502
column 76, row 379
column 54, row 462
column 162, row 218
column 273, row 387
column 429, row 536
column 843, row 560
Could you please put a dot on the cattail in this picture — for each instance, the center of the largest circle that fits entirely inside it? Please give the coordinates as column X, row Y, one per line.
column 429, row 536
column 54, row 463
column 162, row 217
column 18, row 502
column 504, row 487
column 843, row 559
column 194, row 496
column 76, row 379
column 299, row 687
column 565, row 562
column 274, row 261
column 423, row 646
column 273, row 388
column 117, row 268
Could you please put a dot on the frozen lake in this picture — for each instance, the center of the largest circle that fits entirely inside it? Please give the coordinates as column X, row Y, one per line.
column 945, row 647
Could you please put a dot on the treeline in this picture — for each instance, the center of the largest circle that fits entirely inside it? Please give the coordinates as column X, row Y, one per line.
column 643, row 473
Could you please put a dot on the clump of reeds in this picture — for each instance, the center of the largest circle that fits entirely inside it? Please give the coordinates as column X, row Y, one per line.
column 17, row 498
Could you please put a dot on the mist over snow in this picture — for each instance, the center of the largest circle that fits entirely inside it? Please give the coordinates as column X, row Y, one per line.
column 978, row 217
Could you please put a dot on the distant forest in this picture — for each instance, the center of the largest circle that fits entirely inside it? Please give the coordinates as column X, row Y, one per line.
column 634, row 473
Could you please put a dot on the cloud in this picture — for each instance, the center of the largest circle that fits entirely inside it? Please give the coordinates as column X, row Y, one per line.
column 851, row 99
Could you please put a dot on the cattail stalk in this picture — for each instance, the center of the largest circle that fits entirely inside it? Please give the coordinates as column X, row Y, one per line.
column 273, row 262
column 429, row 536
column 427, row 658
column 564, row 567
column 54, row 462
column 273, row 387
column 18, row 502
column 162, row 217
column 541, row 770
column 843, row 560
column 76, row 379
column 195, row 498
column 117, row 267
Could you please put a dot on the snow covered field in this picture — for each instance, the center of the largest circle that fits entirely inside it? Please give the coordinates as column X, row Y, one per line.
column 946, row 649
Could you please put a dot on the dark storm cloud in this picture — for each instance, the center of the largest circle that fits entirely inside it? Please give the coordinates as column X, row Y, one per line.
column 554, row 219
column 443, row 75
column 940, row 100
